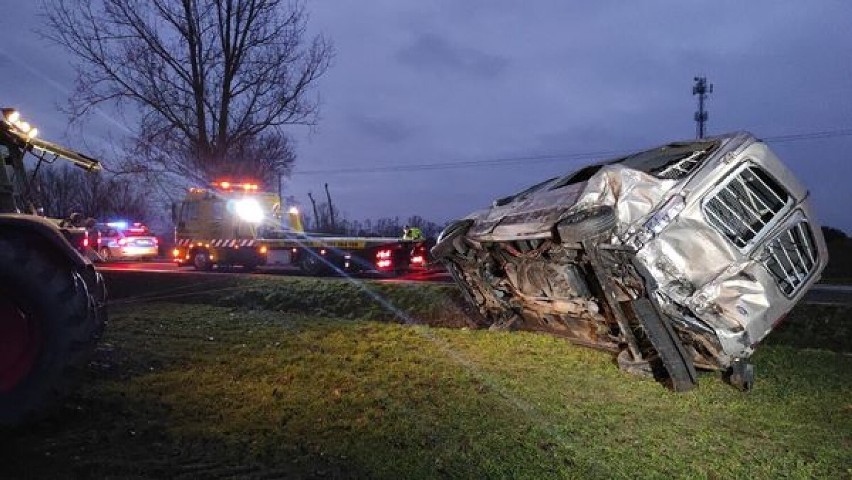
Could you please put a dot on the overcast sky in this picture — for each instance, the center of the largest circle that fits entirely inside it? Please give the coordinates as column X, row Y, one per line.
column 519, row 90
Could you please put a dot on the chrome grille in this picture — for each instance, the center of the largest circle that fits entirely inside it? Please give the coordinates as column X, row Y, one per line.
column 746, row 205
column 791, row 257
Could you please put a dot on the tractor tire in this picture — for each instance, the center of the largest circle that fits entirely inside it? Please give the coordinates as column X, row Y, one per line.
column 674, row 357
column 586, row 224
column 50, row 322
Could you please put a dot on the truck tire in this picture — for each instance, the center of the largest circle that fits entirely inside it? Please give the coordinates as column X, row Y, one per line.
column 586, row 224
column 676, row 361
column 49, row 327
column 201, row 261
column 312, row 265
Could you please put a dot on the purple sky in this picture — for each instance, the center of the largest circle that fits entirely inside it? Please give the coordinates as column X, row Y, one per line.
column 418, row 83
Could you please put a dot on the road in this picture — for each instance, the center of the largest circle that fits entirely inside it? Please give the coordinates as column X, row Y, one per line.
column 821, row 294
column 169, row 267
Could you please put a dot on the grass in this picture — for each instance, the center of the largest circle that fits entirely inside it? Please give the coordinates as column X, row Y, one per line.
column 201, row 391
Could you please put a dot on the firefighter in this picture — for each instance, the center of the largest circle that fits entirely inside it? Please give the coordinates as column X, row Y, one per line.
column 411, row 233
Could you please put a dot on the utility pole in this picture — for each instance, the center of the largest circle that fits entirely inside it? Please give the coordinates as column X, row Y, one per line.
column 702, row 89
column 330, row 208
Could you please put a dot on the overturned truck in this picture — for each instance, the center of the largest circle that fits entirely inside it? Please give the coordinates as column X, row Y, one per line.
column 680, row 257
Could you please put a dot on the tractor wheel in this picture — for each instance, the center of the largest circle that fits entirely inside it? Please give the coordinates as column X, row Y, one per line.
column 49, row 326
column 676, row 361
column 586, row 224
column 201, row 261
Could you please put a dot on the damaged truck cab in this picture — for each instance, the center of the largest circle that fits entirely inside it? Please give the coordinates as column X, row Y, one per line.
column 681, row 256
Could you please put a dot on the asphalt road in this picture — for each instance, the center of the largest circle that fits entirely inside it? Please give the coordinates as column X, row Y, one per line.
column 821, row 294
column 169, row 267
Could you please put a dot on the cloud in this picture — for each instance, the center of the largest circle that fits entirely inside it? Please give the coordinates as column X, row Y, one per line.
column 430, row 52
column 383, row 129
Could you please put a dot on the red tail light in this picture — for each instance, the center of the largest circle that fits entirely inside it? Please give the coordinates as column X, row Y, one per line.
column 383, row 258
column 85, row 241
column 418, row 259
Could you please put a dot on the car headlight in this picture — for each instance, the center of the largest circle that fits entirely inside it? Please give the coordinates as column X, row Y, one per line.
column 249, row 210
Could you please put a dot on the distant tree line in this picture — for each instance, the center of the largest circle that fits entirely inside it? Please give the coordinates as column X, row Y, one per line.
column 62, row 190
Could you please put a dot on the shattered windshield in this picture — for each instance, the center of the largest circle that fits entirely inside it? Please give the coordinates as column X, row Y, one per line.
column 673, row 161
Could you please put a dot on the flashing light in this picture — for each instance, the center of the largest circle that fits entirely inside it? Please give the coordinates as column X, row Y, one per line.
column 12, row 116
column 382, row 254
column 322, row 252
column 418, row 259
column 86, row 241
column 293, row 211
column 383, row 263
column 249, row 210
column 122, row 241
column 122, row 225
column 176, row 253
column 294, row 250
column 227, row 185
column 263, row 250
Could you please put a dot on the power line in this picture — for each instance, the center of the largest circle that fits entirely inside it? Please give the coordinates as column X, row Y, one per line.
column 544, row 157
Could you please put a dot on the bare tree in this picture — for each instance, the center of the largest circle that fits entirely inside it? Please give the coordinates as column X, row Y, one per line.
column 213, row 81
column 61, row 190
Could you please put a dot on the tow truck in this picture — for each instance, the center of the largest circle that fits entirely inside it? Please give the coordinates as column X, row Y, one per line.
column 234, row 223
column 52, row 301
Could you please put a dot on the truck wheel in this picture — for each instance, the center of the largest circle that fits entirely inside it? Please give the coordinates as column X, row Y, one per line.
column 585, row 224
column 201, row 261
column 676, row 361
column 49, row 326
column 312, row 265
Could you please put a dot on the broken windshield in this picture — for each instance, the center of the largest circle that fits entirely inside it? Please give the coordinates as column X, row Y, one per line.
column 673, row 161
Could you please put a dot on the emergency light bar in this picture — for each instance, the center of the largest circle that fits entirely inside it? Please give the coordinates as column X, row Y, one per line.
column 226, row 185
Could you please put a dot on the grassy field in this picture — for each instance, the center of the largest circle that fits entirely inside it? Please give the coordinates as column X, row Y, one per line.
column 199, row 391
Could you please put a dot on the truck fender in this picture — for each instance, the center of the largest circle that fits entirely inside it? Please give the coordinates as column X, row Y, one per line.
column 46, row 231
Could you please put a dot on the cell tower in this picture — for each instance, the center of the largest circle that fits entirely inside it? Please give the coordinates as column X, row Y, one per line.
column 702, row 89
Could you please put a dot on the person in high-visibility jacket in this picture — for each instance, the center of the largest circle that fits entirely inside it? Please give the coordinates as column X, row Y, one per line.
column 411, row 233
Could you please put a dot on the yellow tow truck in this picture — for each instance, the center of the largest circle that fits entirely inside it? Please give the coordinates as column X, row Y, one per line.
column 235, row 223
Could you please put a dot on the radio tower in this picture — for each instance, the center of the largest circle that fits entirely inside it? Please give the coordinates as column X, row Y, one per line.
column 702, row 89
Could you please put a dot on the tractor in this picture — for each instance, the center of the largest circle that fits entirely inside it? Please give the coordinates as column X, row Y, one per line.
column 52, row 301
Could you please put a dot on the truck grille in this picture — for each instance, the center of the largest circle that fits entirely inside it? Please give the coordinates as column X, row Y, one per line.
column 791, row 257
column 746, row 205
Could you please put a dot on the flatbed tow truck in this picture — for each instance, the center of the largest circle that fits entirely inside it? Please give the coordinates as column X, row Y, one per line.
column 236, row 224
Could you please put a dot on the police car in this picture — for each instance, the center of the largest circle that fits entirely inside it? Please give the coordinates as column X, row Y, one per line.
column 124, row 240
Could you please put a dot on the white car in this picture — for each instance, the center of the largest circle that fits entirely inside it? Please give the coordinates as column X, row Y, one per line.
column 119, row 240
column 682, row 256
